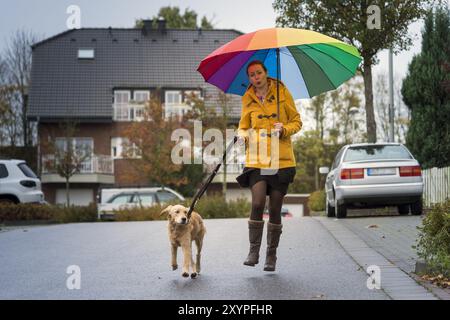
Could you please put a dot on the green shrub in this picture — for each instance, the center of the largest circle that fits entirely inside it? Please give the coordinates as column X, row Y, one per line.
column 50, row 213
column 208, row 207
column 433, row 244
column 316, row 201
column 65, row 214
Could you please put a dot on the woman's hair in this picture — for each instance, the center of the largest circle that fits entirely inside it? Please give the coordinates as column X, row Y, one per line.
column 256, row 62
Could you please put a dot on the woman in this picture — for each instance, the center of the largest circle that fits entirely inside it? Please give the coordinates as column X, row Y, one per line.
column 257, row 127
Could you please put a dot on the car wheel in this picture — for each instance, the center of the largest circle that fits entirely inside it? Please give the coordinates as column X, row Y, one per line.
column 329, row 209
column 341, row 210
column 403, row 209
column 417, row 207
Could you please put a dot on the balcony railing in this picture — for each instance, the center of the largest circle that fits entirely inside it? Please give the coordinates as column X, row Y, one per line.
column 99, row 164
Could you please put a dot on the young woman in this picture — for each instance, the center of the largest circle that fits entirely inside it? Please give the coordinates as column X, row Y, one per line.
column 267, row 172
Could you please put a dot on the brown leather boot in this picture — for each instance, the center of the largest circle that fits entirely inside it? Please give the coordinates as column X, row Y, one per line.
column 255, row 231
column 273, row 239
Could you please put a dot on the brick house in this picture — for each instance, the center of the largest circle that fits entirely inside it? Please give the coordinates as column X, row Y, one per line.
column 97, row 77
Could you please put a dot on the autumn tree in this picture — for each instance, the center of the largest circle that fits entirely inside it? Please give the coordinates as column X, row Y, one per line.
column 148, row 149
column 354, row 22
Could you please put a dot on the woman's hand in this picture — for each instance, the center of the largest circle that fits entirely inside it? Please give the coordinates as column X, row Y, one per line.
column 241, row 140
column 278, row 128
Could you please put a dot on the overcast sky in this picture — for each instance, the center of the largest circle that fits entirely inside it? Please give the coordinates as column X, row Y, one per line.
column 48, row 17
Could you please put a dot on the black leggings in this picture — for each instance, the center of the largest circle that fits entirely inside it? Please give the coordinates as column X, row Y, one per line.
column 259, row 190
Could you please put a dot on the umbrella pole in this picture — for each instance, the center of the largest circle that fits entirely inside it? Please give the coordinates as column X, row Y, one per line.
column 278, row 84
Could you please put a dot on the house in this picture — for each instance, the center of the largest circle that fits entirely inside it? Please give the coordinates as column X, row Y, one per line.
column 97, row 77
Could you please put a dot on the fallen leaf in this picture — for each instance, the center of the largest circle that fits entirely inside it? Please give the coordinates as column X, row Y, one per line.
column 372, row 226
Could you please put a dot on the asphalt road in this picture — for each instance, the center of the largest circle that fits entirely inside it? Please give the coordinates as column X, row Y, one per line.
column 131, row 260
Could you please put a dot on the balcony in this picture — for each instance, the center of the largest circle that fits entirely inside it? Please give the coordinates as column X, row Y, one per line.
column 98, row 169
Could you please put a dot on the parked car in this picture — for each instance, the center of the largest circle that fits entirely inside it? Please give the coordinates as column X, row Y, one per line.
column 18, row 183
column 284, row 213
column 127, row 198
column 373, row 175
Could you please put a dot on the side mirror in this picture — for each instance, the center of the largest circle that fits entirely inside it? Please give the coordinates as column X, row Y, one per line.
column 324, row 170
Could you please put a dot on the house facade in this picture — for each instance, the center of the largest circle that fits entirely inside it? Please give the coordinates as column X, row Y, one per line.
column 100, row 78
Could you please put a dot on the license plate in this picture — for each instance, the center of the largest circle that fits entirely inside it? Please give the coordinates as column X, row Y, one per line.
column 381, row 171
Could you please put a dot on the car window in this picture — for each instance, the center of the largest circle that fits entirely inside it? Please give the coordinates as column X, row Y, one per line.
column 377, row 152
column 3, row 171
column 164, row 196
column 147, row 199
column 27, row 171
column 121, row 199
column 336, row 159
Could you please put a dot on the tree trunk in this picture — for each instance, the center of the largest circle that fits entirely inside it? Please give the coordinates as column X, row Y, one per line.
column 67, row 193
column 368, row 93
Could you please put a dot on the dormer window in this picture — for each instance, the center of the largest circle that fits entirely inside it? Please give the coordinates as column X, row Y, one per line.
column 85, row 54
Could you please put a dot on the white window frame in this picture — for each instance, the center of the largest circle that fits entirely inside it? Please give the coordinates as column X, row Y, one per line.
column 121, row 92
column 136, row 92
column 86, row 53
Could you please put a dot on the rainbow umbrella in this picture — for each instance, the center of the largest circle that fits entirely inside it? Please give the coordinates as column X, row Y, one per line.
column 308, row 63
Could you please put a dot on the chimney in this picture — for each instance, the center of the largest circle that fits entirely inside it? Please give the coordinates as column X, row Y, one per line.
column 147, row 26
column 162, row 25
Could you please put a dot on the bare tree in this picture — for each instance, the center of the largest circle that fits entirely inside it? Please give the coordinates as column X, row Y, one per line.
column 17, row 59
column 69, row 157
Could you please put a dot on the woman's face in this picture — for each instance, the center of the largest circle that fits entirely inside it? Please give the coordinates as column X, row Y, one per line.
column 257, row 76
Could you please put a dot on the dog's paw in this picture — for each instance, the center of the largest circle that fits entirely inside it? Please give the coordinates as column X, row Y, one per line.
column 174, row 267
column 193, row 275
column 185, row 274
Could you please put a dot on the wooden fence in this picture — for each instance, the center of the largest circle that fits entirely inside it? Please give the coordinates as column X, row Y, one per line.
column 437, row 185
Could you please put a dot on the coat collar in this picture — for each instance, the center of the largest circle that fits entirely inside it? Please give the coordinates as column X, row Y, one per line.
column 250, row 96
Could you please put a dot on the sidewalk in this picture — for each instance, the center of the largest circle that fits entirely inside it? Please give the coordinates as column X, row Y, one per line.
column 384, row 242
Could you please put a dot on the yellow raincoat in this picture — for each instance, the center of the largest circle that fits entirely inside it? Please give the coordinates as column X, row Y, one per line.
column 257, row 124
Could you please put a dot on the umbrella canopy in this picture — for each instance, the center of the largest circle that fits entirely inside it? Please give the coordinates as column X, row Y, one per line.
column 309, row 63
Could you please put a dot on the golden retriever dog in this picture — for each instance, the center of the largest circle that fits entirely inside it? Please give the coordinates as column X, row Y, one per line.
column 181, row 234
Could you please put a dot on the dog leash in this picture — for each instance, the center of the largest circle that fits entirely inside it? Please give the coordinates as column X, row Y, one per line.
column 202, row 190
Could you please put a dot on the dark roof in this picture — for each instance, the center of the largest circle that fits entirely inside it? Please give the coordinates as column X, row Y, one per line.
column 62, row 85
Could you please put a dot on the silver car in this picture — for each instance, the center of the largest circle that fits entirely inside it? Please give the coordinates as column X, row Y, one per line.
column 373, row 175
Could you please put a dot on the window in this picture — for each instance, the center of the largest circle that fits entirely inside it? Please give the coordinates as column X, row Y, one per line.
column 119, row 147
column 174, row 106
column 86, row 54
column 377, row 152
column 82, row 148
column 173, row 97
column 121, row 199
column 3, row 171
column 121, row 97
column 147, row 199
column 141, row 96
column 164, row 196
column 27, row 171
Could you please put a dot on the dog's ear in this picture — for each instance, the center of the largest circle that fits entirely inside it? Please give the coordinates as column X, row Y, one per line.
column 166, row 210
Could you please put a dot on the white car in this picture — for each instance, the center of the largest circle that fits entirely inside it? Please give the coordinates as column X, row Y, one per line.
column 371, row 175
column 18, row 183
column 127, row 198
